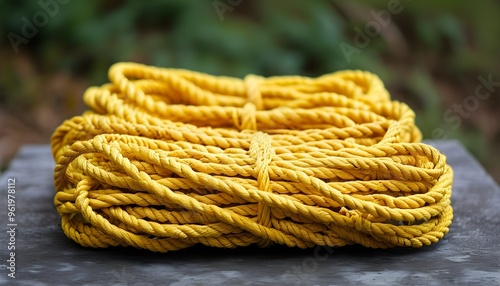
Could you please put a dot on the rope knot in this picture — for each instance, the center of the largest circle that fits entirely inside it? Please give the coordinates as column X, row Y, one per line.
column 246, row 117
column 252, row 84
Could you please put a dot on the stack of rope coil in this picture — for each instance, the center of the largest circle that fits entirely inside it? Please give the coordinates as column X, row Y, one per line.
column 170, row 158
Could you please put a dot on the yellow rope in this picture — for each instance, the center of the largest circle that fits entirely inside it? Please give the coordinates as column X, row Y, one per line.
column 170, row 158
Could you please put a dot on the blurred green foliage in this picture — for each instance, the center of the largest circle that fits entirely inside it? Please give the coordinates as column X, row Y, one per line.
column 429, row 56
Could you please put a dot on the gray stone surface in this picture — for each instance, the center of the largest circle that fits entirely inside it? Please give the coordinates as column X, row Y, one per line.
column 469, row 254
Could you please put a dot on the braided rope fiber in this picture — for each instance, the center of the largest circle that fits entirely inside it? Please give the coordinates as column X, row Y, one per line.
column 167, row 158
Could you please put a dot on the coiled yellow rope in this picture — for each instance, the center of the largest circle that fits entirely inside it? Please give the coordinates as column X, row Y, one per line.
column 168, row 158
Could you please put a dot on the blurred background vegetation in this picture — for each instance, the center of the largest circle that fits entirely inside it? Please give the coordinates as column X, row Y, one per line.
column 430, row 54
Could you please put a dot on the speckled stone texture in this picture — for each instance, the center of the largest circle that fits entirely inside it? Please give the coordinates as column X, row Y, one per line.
column 468, row 255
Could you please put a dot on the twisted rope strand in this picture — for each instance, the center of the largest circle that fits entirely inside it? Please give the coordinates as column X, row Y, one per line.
column 166, row 159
